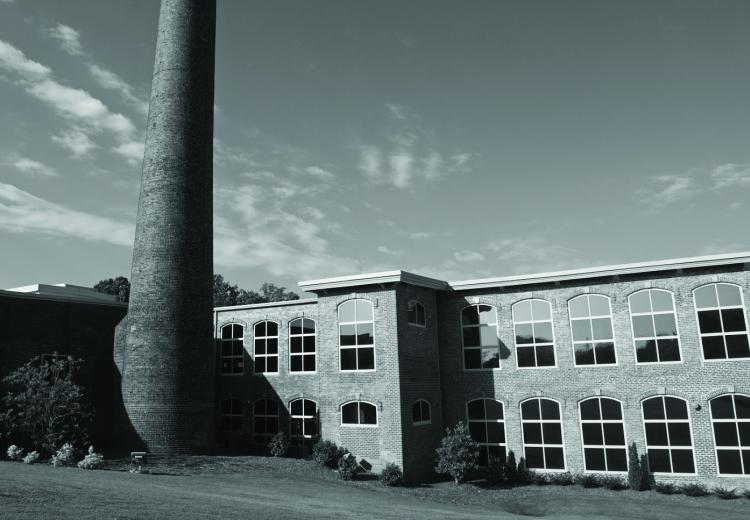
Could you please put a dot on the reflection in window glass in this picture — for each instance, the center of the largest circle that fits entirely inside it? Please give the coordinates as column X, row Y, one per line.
column 730, row 418
column 303, row 426
column 603, row 433
column 358, row 413
column 654, row 323
column 416, row 314
column 591, row 327
column 487, row 427
column 721, row 321
column 302, row 345
column 669, row 443
column 266, row 352
column 481, row 345
column 542, row 434
column 356, row 340
column 532, row 322
column 420, row 412
column 265, row 420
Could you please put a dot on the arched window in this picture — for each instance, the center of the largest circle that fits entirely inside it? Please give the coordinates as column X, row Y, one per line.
column 591, row 327
column 230, row 415
column 487, row 427
column 265, row 420
column 416, row 314
column 721, row 321
column 359, row 413
column 481, row 345
column 730, row 417
column 303, row 428
column 542, row 434
column 669, row 443
column 420, row 413
column 652, row 314
column 535, row 344
column 603, row 433
column 266, row 343
column 232, row 349
column 356, row 340
column 302, row 345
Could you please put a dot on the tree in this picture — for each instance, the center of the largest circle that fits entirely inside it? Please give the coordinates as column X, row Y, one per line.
column 271, row 293
column 45, row 405
column 458, row 453
column 119, row 287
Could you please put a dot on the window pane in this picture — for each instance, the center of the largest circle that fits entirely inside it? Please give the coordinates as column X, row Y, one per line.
column 478, row 431
column 488, row 336
column 545, row 356
column 706, row 297
column 709, row 321
column 552, row 433
column 348, row 359
column 543, row 332
column 554, row 457
column 578, row 307
column 733, row 319
column 744, row 429
column 661, row 300
column 364, row 334
column 658, row 461
column 260, row 328
column 525, row 357
column 348, row 335
column 487, row 315
column 260, row 346
column 665, row 325
column 346, row 311
column 272, row 328
column 729, row 295
column 471, row 336
column 490, row 358
column 599, row 305
column 669, row 350
column 495, row 433
column 682, row 461
column 679, row 434
column 737, row 346
column 470, row 316
column 611, row 409
column 590, row 409
column 296, row 407
column 308, row 344
column 722, row 407
column 534, row 457
column 713, row 347
column 602, row 328
column 614, row 434
column 349, row 413
column 272, row 346
column 532, row 433
column 530, row 410
column 472, row 358
column 729, row 462
column 412, row 312
column 308, row 326
column 522, row 311
column 540, row 310
column 645, row 351
column 416, row 412
column 592, row 433
column 494, row 410
column 425, row 411
column 605, row 353
column 524, row 333
column 272, row 364
column 550, row 409
column 366, row 358
column 581, row 330
column 295, row 326
column 726, row 434
column 364, row 310
column 309, row 363
column 594, row 459
column 295, row 364
column 653, row 408
column 656, row 434
column 616, row 460
column 295, row 344
column 226, row 332
column 476, row 409
column 584, row 353
column 676, row 408
column 742, row 406
column 643, row 326
column 310, row 407
column 367, row 414
column 639, row 302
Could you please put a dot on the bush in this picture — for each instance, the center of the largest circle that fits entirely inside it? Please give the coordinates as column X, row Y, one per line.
column 511, row 469
column 65, row 456
column 614, row 483
column 635, row 470
column 589, row 480
column 666, row 488
column 561, row 479
column 495, row 471
column 14, row 452
column 746, row 493
column 31, row 458
column 457, row 454
column 540, row 479
column 348, row 466
column 694, row 490
column 326, row 453
column 524, row 474
column 279, row 445
column 725, row 493
column 92, row 460
column 647, row 478
column 392, row 475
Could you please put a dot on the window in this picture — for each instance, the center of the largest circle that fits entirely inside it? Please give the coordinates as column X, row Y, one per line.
column 302, row 345
column 603, row 433
column 654, row 326
column 417, row 314
column 487, row 427
column 481, row 345
column 266, row 347
column 265, row 420
column 542, row 434
column 232, row 349
column 359, row 413
column 591, row 327
column 730, row 416
column 669, row 444
column 721, row 321
column 230, row 415
column 420, row 413
column 356, row 342
column 303, row 428
column 535, row 344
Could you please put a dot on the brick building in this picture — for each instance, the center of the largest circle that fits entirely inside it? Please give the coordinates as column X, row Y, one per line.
column 564, row 368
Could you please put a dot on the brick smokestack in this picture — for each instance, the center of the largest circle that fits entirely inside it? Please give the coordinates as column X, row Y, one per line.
column 167, row 362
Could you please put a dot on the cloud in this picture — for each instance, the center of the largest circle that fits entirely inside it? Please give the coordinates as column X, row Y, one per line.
column 319, row 172
column 13, row 60
column 731, row 176
column 401, row 167
column 111, row 81
column 468, row 256
column 668, row 189
column 396, row 111
column 132, row 151
column 69, row 39
column 33, row 168
column 22, row 212
column 390, row 252
column 75, row 140
column 423, row 235
column 528, row 254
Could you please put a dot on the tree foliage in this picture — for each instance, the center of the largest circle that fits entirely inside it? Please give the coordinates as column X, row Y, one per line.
column 44, row 405
column 120, row 287
column 458, row 453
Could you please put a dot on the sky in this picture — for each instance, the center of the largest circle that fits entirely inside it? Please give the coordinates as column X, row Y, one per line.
column 454, row 139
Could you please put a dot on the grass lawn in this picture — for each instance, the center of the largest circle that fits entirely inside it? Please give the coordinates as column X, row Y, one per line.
column 260, row 488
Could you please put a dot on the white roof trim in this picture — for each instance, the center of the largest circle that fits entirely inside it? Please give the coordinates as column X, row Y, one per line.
column 611, row 270
column 372, row 279
column 304, row 301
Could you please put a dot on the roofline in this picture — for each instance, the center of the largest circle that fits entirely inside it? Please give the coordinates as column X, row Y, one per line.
column 305, row 301
column 59, row 298
column 341, row 282
column 610, row 270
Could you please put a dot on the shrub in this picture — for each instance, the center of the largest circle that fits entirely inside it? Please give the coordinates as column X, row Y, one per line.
column 524, row 474
column 92, row 460
column 540, row 479
column 392, row 475
column 614, row 483
column 326, row 453
column 666, row 488
column 647, row 478
column 31, row 458
column 511, row 469
column 496, row 471
column 635, row 470
column 279, row 445
column 348, row 466
column 561, row 479
column 694, row 490
column 14, row 452
column 746, row 493
column 589, row 480
column 65, row 456
column 725, row 493
column 457, row 454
